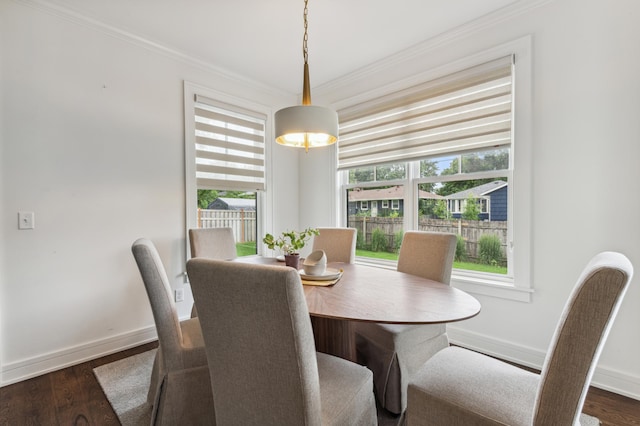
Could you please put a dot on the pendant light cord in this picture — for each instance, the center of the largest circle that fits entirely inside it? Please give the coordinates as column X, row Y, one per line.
column 305, row 38
column 306, row 87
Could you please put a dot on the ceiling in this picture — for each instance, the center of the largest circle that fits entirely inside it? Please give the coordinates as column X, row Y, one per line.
column 262, row 39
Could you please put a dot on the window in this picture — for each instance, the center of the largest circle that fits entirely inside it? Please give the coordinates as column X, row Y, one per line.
column 453, row 138
column 225, row 166
column 385, row 204
column 364, row 205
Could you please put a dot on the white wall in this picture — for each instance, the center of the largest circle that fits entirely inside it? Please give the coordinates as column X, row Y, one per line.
column 93, row 143
column 586, row 104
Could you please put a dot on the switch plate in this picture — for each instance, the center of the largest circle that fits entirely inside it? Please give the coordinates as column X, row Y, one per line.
column 26, row 220
column 179, row 293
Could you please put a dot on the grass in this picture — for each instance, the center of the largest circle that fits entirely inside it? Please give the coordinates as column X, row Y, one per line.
column 480, row 267
column 469, row 266
column 249, row 248
column 246, row 249
column 377, row 254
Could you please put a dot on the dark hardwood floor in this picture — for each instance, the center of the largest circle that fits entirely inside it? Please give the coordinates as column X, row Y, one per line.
column 72, row 396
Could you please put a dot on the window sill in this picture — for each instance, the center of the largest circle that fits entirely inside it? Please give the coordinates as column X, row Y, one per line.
column 489, row 285
column 476, row 283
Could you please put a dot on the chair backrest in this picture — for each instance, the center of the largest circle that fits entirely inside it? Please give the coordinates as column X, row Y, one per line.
column 160, row 295
column 428, row 255
column 579, row 338
column 339, row 244
column 213, row 243
column 259, row 342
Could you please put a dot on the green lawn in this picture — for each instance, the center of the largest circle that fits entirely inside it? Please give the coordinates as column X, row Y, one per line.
column 246, row 249
column 457, row 265
column 249, row 248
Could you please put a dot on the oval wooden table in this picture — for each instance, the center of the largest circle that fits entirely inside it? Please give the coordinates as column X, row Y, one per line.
column 367, row 293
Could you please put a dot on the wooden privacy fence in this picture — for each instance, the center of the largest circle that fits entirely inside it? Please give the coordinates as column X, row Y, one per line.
column 242, row 222
column 470, row 230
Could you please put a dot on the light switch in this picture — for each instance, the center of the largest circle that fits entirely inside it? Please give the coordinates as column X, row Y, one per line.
column 26, row 220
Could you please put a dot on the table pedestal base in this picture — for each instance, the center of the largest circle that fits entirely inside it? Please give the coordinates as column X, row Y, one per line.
column 335, row 337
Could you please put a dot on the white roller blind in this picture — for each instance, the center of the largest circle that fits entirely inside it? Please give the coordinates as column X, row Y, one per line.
column 464, row 111
column 229, row 146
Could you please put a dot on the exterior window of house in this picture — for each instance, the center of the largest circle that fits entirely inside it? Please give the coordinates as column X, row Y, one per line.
column 364, row 205
column 453, row 137
column 484, row 205
column 225, row 165
column 376, row 183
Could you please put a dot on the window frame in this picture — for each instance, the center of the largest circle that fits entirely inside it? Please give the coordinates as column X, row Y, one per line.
column 191, row 90
column 518, row 284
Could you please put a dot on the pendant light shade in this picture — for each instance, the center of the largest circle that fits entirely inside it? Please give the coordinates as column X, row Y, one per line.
column 306, row 125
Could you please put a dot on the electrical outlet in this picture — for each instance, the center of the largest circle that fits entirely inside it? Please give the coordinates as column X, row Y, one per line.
column 179, row 293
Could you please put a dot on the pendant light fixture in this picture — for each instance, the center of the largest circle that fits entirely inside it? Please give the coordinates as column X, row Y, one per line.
column 306, row 125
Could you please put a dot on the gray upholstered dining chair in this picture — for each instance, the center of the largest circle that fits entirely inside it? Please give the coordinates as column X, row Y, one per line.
column 460, row 387
column 180, row 390
column 396, row 351
column 212, row 243
column 264, row 368
column 339, row 244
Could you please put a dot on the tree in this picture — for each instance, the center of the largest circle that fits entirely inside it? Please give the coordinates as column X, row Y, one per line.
column 378, row 173
column 239, row 194
column 205, row 197
column 362, row 174
column 391, row 171
column 428, row 168
column 471, row 209
column 441, row 211
column 496, row 160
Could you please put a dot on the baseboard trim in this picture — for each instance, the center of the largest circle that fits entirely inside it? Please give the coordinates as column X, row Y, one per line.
column 604, row 378
column 36, row 366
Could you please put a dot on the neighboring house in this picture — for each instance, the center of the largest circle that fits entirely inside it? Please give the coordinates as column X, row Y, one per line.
column 491, row 197
column 381, row 201
column 247, row 204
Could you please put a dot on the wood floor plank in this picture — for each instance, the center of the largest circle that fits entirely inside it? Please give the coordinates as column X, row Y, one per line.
column 612, row 409
column 29, row 402
column 73, row 396
column 98, row 408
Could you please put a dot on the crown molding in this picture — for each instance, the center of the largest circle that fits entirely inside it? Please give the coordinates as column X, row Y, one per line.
column 148, row 44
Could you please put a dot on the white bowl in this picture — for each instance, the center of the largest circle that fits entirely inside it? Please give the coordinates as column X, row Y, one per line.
column 315, row 263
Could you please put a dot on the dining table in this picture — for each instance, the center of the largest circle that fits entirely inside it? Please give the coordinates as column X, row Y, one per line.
column 374, row 294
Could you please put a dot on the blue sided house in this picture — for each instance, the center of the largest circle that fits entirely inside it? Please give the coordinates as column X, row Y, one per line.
column 491, row 198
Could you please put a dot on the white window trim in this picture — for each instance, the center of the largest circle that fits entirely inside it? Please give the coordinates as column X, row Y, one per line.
column 395, row 204
column 385, row 204
column 364, row 205
column 518, row 286
column 191, row 201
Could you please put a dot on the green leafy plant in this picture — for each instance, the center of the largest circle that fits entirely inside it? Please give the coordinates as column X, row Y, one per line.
column 490, row 249
column 360, row 244
column 379, row 240
column 397, row 240
column 461, row 250
column 441, row 211
column 289, row 242
column 471, row 209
